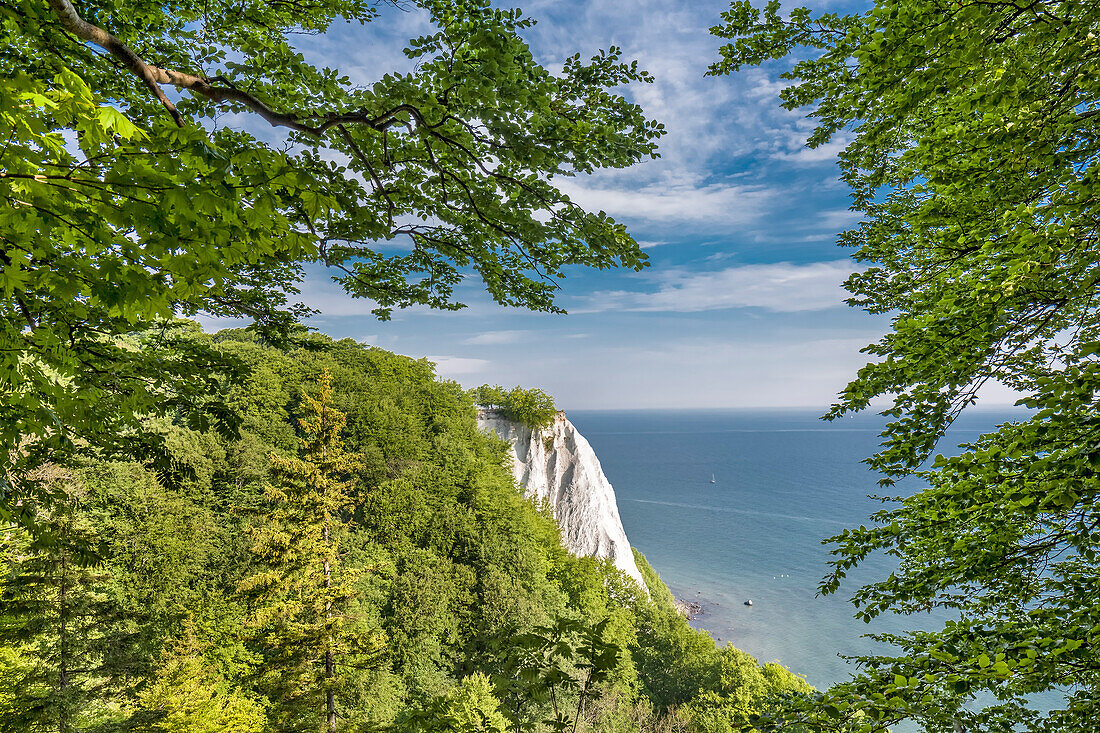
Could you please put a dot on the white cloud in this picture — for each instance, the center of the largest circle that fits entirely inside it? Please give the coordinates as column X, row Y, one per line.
column 493, row 338
column 783, row 369
column 837, row 220
column 457, row 366
column 788, row 142
column 781, row 287
column 744, row 373
column 677, row 201
column 762, row 86
column 712, row 124
column 826, row 153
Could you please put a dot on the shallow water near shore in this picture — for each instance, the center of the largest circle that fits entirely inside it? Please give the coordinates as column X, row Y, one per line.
column 784, row 480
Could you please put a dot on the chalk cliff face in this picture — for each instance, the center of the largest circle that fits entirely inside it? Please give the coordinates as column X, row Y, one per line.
column 557, row 465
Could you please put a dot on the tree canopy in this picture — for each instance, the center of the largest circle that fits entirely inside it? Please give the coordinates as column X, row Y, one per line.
column 137, row 184
column 453, row 604
column 531, row 407
column 973, row 133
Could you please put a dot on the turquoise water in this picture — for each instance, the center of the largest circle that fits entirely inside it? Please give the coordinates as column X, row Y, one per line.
column 784, row 480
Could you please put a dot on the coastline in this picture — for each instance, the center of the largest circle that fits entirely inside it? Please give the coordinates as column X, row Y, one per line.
column 690, row 610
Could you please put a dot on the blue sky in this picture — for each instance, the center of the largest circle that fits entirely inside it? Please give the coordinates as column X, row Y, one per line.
column 742, row 304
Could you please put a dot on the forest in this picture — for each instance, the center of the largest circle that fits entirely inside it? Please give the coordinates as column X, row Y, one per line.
column 265, row 529
column 357, row 547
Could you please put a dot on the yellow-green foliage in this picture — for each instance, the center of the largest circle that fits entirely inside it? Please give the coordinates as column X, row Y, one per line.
column 745, row 688
column 13, row 669
column 471, row 707
column 187, row 697
column 468, row 707
column 659, row 593
column 716, row 689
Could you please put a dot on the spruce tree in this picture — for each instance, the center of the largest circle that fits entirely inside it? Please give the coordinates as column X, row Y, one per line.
column 303, row 588
column 189, row 696
column 55, row 614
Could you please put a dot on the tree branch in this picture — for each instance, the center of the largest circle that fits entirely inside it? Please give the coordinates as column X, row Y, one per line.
column 86, row 31
column 154, row 76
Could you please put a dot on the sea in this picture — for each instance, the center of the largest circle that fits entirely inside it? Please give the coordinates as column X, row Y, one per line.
column 783, row 481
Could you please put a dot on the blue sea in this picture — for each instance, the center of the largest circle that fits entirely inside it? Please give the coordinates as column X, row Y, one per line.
column 783, row 481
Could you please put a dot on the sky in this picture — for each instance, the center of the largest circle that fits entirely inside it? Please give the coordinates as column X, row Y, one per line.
column 742, row 304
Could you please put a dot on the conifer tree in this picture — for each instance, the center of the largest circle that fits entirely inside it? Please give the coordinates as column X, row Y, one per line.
column 188, row 696
column 304, row 587
column 54, row 612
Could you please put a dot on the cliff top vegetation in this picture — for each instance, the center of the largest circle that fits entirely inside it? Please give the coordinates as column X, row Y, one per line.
column 528, row 406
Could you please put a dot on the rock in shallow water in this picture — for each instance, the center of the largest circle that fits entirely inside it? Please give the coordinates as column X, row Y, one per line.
column 688, row 609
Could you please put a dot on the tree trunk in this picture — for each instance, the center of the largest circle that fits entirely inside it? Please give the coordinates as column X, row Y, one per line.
column 330, row 651
column 62, row 646
column 330, row 656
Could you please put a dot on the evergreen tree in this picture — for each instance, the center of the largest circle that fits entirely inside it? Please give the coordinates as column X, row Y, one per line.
column 304, row 587
column 187, row 696
column 54, row 618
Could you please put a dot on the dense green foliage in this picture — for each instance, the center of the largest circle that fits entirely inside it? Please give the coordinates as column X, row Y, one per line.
column 716, row 690
column 124, row 204
column 359, row 519
column 304, row 584
column 974, row 157
column 531, row 407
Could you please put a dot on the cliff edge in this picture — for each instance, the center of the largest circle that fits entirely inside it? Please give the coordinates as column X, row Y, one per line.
column 557, row 465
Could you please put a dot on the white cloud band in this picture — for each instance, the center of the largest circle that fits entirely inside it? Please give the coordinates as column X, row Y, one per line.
column 780, row 287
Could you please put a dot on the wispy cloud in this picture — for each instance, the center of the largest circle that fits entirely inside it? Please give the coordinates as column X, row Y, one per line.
column 676, row 201
column 754, row 372
column 457, row 366
column 826, row 153
column 780, row 287
column 493, row 338
column 839, row 219
column 785, row 368
column 712, row 124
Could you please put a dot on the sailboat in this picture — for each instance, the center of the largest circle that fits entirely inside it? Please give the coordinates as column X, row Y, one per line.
column 712, row 478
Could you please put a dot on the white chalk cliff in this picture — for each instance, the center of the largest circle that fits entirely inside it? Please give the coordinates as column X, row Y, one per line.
column 558, row 466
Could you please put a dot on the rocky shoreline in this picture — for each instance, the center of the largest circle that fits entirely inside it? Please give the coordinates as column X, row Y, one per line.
column 690, row 610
